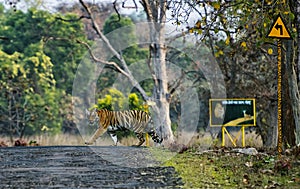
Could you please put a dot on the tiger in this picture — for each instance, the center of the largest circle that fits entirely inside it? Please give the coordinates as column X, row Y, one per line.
column 108, row 121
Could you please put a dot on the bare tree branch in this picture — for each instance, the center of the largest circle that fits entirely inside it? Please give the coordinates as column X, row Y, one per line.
column 162, row 13
column 115, row 7
column 176, row 83
column 72, row 20
column 115, row 65
column 4, row 38
column 125, row 71
column 130, row 7
column 148, row 11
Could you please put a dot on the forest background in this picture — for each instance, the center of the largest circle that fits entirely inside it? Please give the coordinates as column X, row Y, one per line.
column 41, row 50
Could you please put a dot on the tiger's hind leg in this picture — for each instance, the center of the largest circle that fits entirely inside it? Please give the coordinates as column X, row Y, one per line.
column 141, row 138
column 155, row 137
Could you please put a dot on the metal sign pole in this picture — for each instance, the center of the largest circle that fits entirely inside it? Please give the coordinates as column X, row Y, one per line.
column 279, row 95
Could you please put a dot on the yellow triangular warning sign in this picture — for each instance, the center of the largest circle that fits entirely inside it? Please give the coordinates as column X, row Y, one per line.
column 279, row 30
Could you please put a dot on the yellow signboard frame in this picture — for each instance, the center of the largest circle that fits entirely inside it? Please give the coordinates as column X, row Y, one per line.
column 235, row 122
column 234, row 139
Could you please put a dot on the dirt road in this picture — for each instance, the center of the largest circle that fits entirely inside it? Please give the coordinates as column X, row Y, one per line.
column 83, row 167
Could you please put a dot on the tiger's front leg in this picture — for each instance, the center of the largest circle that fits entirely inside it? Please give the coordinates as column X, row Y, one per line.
column 141, row 138
column 96, row 135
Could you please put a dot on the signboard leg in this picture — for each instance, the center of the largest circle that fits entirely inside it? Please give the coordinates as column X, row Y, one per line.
column 243, row 136
column 147, row 140
column 233, row 141
column 223, row 136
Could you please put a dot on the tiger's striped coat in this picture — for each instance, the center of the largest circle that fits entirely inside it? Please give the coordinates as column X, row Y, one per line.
column 111, row 121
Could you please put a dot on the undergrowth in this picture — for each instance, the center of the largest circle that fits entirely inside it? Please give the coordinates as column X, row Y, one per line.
column 228, row 169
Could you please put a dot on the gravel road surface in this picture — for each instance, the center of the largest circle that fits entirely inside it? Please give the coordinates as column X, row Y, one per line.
column 83, row 167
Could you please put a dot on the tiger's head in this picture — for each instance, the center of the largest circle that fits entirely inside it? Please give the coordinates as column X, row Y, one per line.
column 91, row 116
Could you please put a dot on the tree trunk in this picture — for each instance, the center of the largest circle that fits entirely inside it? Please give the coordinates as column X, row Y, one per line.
column 294, row 94
column 156, row 14
column 288, row 122
column 161, row 95
column 293, row 69
column 10, row 118
column 267, row 124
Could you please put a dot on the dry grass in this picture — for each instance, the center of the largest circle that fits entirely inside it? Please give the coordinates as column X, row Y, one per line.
column 203, row 140
column 49, row 140
column 60, row 140
column 69, row 140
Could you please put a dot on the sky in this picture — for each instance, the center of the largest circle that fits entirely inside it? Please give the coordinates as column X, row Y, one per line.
column 51, row 4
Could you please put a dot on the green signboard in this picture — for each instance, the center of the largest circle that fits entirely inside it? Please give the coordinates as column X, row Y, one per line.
column 232, row 112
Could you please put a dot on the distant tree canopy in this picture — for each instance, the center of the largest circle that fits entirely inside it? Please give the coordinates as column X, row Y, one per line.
column 22, row 30
column 38, row 59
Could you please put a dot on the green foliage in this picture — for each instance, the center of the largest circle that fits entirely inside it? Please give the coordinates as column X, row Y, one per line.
column 135, row 103
column 38, row 59
column 23, row 30
column 28, row 94
column 115, row 100
column 64, row 51
column 105, row 103
column 113, row 23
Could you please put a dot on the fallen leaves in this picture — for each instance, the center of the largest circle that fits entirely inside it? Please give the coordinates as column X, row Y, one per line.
column 229, row 168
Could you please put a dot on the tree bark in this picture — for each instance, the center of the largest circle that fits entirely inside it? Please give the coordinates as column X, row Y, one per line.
column 161, row 95
column 267, row 124
column 293, row 69
column 156, row 15
column 294, row 95
column 288, row 122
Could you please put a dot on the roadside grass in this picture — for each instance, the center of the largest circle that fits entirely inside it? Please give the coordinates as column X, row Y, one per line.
column 223, row 168
column 233, row 170
column 70, row 140
column 206, row 165
column 202, row 140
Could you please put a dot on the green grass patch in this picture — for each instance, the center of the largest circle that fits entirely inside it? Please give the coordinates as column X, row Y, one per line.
column 217, row 169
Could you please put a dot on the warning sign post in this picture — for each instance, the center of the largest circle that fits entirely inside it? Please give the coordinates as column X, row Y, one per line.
column 279, row 31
